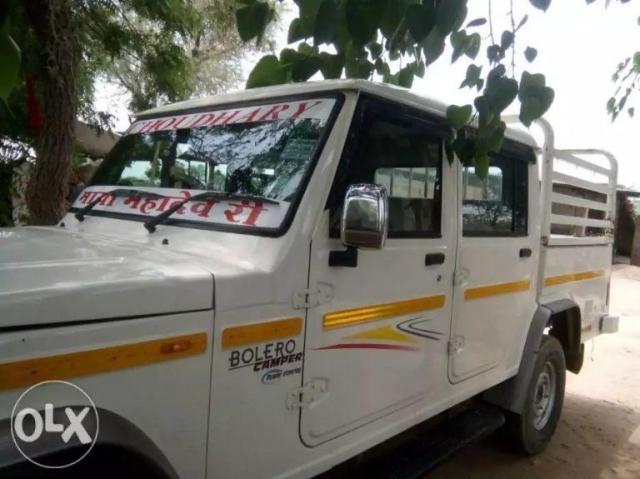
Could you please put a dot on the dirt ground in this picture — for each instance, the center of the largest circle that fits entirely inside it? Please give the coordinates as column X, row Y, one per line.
column 599, row 431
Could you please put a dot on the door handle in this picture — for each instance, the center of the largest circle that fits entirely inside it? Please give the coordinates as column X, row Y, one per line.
column 434, row 258
column 525, row 252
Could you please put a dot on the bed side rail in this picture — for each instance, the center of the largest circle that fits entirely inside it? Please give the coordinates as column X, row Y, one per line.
column 578, row 197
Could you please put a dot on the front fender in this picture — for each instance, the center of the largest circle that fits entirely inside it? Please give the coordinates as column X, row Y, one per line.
column 121, row 450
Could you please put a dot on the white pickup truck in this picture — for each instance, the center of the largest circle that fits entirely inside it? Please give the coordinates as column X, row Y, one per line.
column 269, row 283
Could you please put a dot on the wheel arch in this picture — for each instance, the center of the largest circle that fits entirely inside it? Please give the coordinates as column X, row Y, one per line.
column 565, row 325
column 560, row 319
column 120, row 445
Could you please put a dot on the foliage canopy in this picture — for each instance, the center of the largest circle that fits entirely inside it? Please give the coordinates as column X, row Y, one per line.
column 396, row 40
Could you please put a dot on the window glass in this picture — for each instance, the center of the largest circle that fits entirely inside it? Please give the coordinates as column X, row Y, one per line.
column 497, row 204
column 407, row 161
column 261, row 151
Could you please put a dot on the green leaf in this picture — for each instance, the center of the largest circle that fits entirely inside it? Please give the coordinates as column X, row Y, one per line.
column 482, row 166
column 458, row 116
column 530, row 54
column 296, row 31
column 10, row 58
column 331, row 65
column 288, row 57
column 477, row 22
column 465, row 149
column 459, row 44
column 267, row 72
column 535, row 97
column 500, row 92
column 524, row 20
column 473, row 45
column 636, row 62
column 392, row 16
column 450, row 15
column 420, row 20
column 541, row 4
column 382, row 67
column 433, row 46
column 530, row 110
column 304, row 66
column 530, row 84
column 506, row 40
column 356, row 63
column 375, row 49
column 472, row 77
column 494, row 136
column 448, row 150
column 253, row 19
column 308, row 14
column 495, row 53
column 405, row 76
column 326, row 22
column 362, row 20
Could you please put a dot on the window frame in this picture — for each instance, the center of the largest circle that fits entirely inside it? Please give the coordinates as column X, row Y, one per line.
column 368, row 107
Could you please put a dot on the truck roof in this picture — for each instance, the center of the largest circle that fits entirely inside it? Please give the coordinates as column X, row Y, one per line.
column 390, row 92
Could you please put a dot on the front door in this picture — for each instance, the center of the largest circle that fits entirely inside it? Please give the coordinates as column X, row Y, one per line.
column 494, row 290
column 379, row 342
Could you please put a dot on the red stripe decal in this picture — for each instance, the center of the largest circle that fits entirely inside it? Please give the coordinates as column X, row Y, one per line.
column 395, row 347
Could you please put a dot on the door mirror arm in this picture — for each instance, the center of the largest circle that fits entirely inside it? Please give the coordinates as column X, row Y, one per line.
column 347, row 258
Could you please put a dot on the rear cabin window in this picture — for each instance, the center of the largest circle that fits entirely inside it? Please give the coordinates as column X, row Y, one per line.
column 497, row 204
column 402, row 155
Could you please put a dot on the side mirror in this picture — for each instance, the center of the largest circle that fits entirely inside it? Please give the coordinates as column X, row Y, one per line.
column 365, row 216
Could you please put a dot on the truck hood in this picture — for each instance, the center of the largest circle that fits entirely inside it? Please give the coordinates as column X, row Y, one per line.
column 49, row 275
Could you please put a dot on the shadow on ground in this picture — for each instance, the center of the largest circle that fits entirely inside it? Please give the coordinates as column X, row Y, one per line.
column 592, row 441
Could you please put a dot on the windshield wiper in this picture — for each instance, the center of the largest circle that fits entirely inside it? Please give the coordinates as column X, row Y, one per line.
column 207, row 195
column 118, row 193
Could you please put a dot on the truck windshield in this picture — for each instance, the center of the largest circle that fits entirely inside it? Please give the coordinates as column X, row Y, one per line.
column 260, row 151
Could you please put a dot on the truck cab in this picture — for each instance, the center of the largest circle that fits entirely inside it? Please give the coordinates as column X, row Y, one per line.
column 268, row 283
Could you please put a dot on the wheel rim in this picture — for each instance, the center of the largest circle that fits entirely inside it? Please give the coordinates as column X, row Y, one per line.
column 544, row 397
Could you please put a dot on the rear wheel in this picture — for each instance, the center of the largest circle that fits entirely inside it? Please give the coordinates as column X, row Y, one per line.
column 531, row 431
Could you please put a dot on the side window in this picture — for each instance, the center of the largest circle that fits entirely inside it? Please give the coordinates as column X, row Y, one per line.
column 497, row 204
column 403, row 155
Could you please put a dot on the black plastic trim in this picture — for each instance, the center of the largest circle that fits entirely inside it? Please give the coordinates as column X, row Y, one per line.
column 347, row 258
column 433, row 259
column 525, row 252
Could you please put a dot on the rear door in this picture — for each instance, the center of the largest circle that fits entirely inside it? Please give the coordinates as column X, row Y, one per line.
column 494, row 290
column 379, row 344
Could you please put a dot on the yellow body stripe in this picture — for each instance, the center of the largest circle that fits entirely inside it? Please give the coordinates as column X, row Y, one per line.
column 237, row 336
column 386, row 333
column 496, row 289
column 572, row 277
column 84, row 363
column 350, row 317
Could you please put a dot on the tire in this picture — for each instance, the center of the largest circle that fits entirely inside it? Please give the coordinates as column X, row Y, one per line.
column 531, row 431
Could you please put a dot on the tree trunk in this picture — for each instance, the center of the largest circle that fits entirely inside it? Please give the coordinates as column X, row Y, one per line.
column 635, row 248
column 48, row 187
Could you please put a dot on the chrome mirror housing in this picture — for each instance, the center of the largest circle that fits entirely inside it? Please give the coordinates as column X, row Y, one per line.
column 365, row 216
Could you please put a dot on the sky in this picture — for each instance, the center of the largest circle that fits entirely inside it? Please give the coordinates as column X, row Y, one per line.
column 578, row 47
